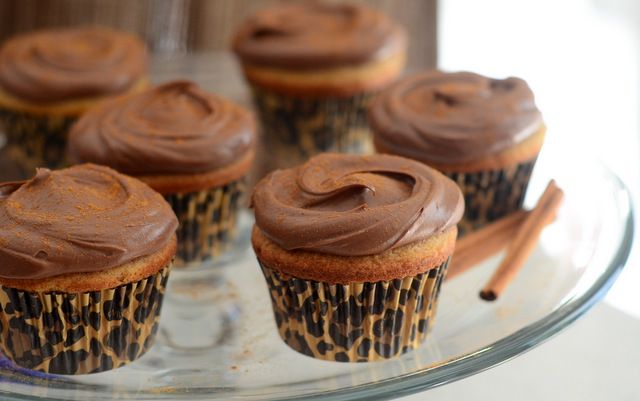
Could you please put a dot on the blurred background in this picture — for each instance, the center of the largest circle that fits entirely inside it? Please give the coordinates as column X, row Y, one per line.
column 179, row 26
column 582, row 60
column 191, row 38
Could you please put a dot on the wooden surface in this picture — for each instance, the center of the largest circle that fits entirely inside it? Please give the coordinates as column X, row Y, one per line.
column 196, row 25
column 163, row 23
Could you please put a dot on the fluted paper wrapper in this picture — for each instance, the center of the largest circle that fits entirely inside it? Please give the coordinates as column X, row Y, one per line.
column 79, row 333
column 208, row 222
column 35, row 140
column 356, row 322
column 294, row 129
column 491, row 194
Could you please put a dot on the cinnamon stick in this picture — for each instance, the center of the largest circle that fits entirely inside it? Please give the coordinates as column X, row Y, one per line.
column 485, row 242
column 523, row 244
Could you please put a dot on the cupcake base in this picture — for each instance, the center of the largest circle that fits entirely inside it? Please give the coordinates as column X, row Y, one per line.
column 296, row 128
column 208, row 221
column 356, row 322
column 35, row 140
column 79, row 333
column 491, row 194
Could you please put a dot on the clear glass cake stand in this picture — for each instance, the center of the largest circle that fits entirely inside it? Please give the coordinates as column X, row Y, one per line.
column 218, row 339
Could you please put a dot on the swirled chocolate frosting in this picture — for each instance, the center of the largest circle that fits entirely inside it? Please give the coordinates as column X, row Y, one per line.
column 453, row 117
column 353, row 205
column 62, row 64
column 174, row 128
column 85, row 218
column 312, row 35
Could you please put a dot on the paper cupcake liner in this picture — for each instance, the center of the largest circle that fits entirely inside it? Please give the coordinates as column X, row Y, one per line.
column 491, row 194
column 207, row 221
column 79, row 333
column 295, row 129
column 356, row 322
column 35, row 140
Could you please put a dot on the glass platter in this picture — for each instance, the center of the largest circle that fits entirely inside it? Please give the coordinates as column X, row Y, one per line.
column 218, row 339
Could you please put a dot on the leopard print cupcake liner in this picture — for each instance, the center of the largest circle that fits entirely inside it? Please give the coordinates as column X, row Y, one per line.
column 491, row 194
column 356, row 322
column 35, row 140
column 80, row 333
column 208, row 222
column 294, row 129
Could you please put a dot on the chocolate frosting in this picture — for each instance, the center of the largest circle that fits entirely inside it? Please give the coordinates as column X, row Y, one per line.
column 85, row 218
column 174, row 128
column 352, row 205
column 312, row 35
column 62, row 64
column 453, row 117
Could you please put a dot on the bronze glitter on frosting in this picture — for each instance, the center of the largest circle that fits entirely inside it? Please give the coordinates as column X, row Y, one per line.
column 449, row 118
column 176, row 128
column 85, row 218
column 352, row 205
column 312, row 35
column 62, row 64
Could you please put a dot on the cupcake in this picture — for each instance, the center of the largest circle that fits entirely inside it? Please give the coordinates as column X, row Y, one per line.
column 49, row 78
column 483, row 133
column 313, row 68
column 84, row 259
column 354, row 250
column 193, row 147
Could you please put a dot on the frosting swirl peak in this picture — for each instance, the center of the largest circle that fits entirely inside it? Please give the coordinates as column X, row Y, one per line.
column 71, row 63
column 461, row 117
column 82, row 219
column 175, row 128
column 352, row 205
column 312, row 35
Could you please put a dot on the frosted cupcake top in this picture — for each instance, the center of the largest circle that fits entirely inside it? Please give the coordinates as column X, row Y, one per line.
column 85, row 218
column 352, row 205
column 176, row 128
column 62, row 64
column 438, row 117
